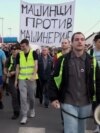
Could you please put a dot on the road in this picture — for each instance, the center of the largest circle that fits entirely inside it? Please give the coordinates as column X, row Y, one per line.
column 47, row 120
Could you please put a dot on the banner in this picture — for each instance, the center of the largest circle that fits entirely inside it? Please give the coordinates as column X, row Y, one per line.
column 46, row 24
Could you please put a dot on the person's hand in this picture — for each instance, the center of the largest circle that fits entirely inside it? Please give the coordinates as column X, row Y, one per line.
column 12, row 73
column 56, row 104
column 16, row 84
column 33, row 77
column 8, row 74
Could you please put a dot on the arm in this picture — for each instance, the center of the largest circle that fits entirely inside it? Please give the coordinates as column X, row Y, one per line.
column 3, row 61
column 6, row 72
column 53, row 90
column 35, row 76
column 35, row 67
column 17, row 70
column 53, row 94
column 35, row 56
column 6, row 68
column 16, row 75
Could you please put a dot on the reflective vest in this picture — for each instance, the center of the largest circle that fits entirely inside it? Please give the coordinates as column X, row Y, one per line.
column 58, row 78
column 59, row 55
column 91, row 52
column 11, row 63
column 94, row 77
column 26, row 66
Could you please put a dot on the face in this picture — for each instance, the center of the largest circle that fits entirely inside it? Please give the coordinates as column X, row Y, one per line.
column 14, row 52
column 65, row 44
column 78, row 43
column 38, row 51
column 45, row 51
column 97, row 43
column 24, row 47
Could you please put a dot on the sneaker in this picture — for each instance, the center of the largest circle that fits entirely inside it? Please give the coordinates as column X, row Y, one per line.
column 1, row 105
column 23, row 120
column 14, row 117
column 96, row 130
column 45, row 105
column 32, row 113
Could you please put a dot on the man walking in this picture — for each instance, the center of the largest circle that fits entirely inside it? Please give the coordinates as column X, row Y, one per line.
column 76, row 91
column 10, row 68
column 26, row 78
column 95, row 52
column 45, row 68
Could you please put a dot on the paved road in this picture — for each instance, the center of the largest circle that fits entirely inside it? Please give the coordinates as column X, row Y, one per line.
column 47, row 120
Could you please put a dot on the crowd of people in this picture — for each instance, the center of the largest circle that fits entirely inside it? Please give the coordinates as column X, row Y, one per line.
column 68, row 78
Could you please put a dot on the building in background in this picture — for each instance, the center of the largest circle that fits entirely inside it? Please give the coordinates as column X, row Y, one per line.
column 8, row 40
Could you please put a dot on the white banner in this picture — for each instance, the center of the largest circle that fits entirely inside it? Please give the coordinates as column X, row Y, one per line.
column 46, row 24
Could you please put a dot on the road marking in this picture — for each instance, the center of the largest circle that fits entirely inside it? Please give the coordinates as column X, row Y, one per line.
column 38, row 130
column 31, row 130
column 88, row 131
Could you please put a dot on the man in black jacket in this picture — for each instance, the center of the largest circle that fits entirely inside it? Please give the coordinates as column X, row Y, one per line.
column 10, row 73
column 77, row 86
column 95, row 52
column 45, row 68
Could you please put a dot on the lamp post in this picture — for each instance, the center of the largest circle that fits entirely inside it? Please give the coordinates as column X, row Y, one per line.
column 2, row 19
column 10, row 31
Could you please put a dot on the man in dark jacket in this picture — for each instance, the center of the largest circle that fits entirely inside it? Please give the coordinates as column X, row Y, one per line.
column 10, row 73
column 45, row 67
column 77, row 87
column 95, row 52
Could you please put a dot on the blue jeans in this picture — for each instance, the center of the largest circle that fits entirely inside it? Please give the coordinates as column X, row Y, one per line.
column 46, row 94
column 73, row 124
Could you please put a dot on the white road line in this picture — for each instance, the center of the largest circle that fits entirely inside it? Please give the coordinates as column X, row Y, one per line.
column 38, row 130
column 31, row 130
column 88, row 131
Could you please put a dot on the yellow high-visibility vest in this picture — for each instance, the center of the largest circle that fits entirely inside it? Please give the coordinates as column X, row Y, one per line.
column 58, row 78
column 59, row 54
column 11, row 63
column 94, row 77
column 26, row 66
column 94, row 72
